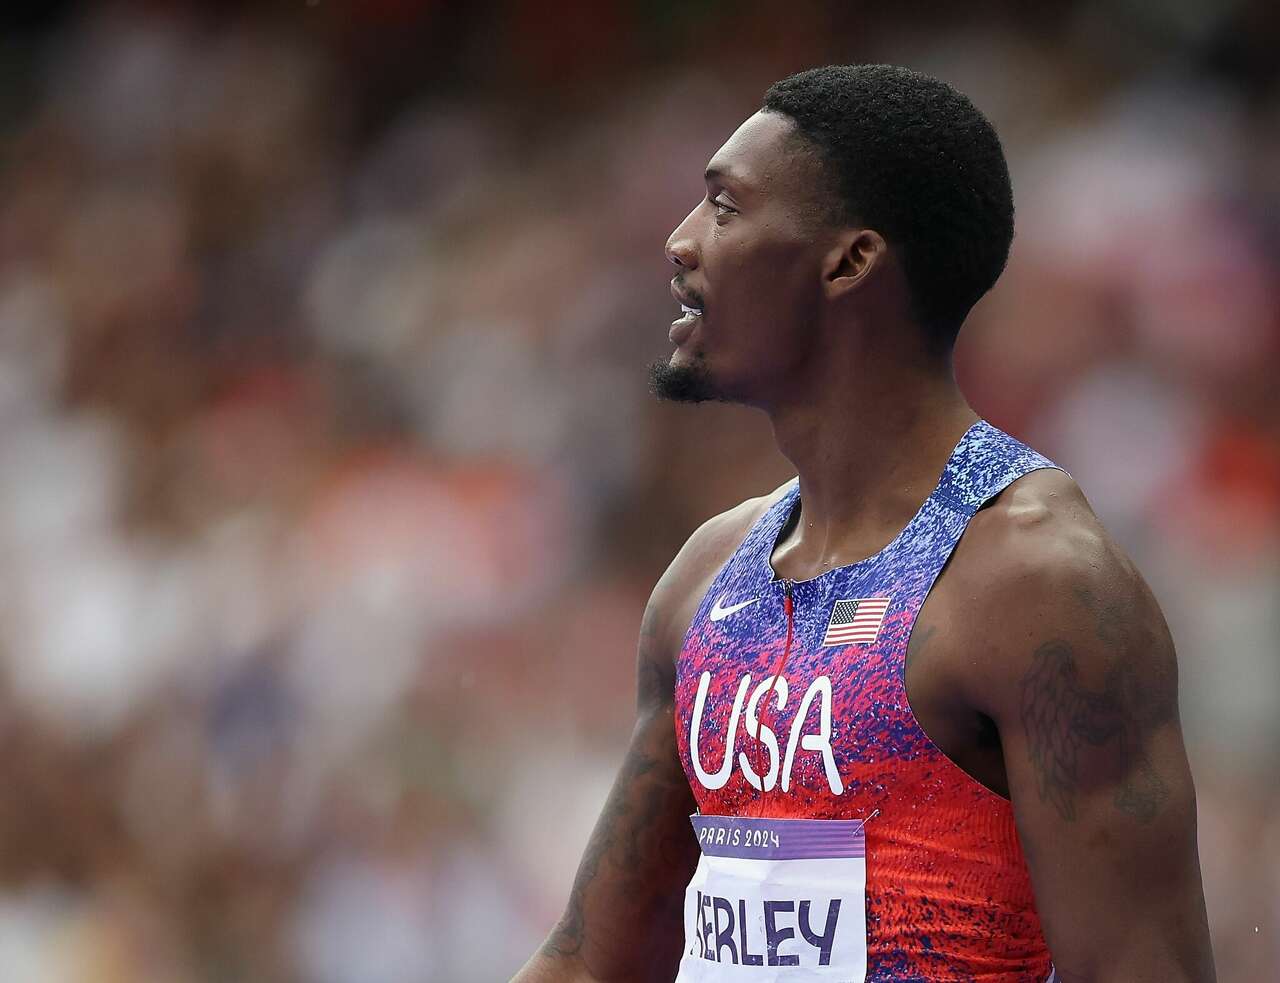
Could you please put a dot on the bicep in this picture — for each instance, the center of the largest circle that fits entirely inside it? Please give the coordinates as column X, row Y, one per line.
column 623, row 919
column 624, row 916
column 1102, row 790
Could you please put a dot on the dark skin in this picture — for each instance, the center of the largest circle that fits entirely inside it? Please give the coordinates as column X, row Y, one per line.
column 1040, row 662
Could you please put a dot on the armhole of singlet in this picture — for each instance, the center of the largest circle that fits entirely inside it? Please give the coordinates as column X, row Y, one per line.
column 757, row 530
column 902, row 668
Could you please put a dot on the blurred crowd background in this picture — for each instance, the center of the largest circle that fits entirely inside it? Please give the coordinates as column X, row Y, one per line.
column 331, row 493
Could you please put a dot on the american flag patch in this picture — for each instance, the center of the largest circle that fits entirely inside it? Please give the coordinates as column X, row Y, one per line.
column 856, row 621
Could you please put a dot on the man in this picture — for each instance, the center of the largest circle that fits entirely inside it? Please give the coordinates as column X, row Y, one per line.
column 912, row 755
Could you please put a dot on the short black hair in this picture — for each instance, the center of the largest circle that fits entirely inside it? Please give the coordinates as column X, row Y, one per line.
column 915, row 160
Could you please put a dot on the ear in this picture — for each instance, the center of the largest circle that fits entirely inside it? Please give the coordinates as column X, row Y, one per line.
column 855, row 254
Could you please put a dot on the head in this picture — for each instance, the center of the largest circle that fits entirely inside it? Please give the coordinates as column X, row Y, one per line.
column 859, row 196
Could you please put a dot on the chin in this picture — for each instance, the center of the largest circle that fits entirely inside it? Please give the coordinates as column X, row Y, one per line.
column 687, row 381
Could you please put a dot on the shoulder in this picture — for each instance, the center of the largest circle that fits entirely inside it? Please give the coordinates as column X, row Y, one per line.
column 1038, row 534
column 717, row 538
column 1036, row 576
column 678, row 592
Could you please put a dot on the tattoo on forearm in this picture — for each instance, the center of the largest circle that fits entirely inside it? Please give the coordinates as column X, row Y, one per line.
column 1061, row 717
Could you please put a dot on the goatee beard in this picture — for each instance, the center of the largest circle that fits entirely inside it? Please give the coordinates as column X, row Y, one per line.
column 683, row 383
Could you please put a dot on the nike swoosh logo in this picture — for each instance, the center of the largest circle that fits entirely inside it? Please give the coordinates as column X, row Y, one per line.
column 717, row 612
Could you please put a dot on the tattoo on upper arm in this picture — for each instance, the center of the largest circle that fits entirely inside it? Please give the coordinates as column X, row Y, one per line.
column 634, row 836
column 1061, row 717
column 655, row 671
column 642, row 827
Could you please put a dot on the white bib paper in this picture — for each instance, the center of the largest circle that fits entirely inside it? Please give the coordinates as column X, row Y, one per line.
column 776, row 899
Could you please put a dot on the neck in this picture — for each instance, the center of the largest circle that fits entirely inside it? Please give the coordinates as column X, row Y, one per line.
column 868, row 452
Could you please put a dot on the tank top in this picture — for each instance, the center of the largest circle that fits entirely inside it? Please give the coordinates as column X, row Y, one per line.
column 791, row 704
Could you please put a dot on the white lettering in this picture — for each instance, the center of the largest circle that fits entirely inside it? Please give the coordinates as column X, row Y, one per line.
column 820, row 741
column 763, row 734
column 721, row 777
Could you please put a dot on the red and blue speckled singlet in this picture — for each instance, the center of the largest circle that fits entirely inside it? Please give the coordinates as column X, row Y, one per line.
column 791, row 704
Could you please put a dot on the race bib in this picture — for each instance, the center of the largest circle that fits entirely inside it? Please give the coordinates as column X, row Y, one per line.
column 776, row 899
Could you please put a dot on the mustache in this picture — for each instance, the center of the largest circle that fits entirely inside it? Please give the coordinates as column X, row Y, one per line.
column 693, row 295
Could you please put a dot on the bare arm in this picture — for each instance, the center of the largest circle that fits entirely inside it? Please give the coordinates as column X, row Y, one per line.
column 623, row 919
column 623, row 922
column 1085, row 698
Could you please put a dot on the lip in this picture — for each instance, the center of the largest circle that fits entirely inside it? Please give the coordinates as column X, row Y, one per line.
column 682, row 329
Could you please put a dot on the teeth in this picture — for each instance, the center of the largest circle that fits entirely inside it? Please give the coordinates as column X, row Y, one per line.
column 685, row 309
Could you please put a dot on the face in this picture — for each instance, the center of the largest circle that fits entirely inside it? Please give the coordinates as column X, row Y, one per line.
column 750, row 259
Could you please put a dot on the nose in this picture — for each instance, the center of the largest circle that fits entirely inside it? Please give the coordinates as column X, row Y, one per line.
column 681, row 250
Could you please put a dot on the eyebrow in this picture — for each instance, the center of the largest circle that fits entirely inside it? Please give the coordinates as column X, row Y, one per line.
column 722, row 175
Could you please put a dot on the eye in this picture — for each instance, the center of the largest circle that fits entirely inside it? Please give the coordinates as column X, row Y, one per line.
column 722, row 207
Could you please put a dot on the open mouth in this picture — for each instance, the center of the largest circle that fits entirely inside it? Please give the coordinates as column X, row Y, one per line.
column 682, row 328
